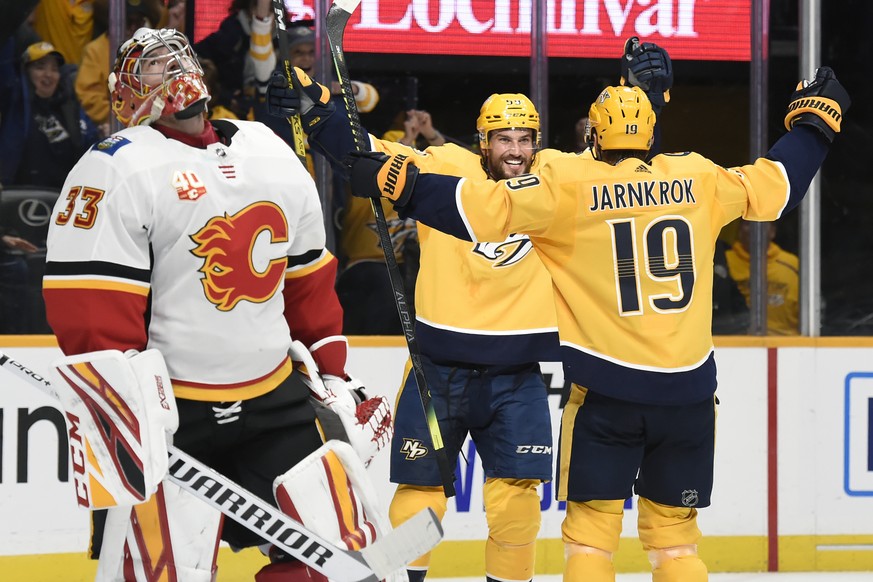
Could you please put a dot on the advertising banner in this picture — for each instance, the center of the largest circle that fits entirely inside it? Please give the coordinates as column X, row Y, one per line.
column 717, row 30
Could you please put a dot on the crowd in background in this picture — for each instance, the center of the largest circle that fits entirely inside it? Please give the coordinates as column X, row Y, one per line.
column 54, row 105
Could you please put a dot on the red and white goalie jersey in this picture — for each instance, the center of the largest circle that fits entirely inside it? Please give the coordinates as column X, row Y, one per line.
column 209, row 254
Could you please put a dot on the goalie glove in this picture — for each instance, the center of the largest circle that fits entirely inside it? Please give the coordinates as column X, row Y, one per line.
column 307, row 97
column 374, row 174
column 820, row 104
column 648, row 67
column 364, row 422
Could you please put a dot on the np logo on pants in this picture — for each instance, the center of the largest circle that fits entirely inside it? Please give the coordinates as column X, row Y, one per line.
column 413, row 449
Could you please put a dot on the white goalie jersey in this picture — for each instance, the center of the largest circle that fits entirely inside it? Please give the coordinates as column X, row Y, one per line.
column 153, row 238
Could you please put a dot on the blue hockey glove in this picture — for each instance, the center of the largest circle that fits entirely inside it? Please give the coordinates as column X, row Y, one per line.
column 308, row 98
column 648, row 67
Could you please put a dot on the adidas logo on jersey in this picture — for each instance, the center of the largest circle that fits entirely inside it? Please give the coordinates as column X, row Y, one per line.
column 643, row 168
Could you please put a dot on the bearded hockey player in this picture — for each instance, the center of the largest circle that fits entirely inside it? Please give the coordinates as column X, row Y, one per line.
column 204, row 242
column 629, row 245
column 485, row 318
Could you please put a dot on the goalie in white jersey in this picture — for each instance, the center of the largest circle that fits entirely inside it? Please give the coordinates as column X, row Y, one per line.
column 205, row 241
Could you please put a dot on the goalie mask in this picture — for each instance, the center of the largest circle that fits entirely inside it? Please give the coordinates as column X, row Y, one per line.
column 622, row 118
column 156, row 75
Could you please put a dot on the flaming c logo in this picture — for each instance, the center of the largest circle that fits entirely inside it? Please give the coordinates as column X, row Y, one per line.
column 233, row 249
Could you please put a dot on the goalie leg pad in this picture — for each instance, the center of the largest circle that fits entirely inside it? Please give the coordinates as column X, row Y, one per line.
column 512, row 509
column 120, row 410
column 330, row 493
column 408, row 500
column 172, row 535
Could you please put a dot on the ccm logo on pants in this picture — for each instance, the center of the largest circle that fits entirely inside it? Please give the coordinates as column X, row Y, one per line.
column 535, row 449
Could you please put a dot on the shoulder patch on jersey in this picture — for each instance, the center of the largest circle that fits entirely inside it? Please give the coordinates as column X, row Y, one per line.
column 111, row 144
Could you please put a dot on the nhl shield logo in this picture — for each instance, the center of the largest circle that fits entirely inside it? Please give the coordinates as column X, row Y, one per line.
column 689, row 497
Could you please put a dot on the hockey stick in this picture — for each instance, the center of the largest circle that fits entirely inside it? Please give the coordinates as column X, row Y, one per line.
column 337, row 17
column 282, row 39
column 374, row 562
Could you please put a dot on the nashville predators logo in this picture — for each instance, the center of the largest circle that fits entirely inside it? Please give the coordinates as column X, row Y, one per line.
column 413, row 449
column 239, row 260
column 506, row 253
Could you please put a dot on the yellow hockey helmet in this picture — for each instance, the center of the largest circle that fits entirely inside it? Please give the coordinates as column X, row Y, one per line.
column 507, row 111
column 622, row 118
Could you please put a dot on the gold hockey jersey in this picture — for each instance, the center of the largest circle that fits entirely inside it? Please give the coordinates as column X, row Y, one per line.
column 629, row 249
column 484, row 302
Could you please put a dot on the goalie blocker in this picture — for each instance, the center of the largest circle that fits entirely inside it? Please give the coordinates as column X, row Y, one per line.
column 120, row 412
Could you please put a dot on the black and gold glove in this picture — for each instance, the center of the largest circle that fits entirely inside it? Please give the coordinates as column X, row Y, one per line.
column 820, row 104
column 307, row 97
column 376, row 175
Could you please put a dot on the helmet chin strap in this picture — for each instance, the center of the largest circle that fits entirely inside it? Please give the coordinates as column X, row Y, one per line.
column 192, row 111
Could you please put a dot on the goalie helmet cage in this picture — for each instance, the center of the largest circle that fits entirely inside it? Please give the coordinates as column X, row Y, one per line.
column 335, row 24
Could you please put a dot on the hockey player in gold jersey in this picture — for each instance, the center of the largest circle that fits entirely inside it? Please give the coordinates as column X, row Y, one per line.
column 629, row 247
column 485, row 317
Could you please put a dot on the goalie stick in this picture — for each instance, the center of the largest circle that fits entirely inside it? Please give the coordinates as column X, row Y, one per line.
column 372, row 563
column 282, row 40
column 335, row 23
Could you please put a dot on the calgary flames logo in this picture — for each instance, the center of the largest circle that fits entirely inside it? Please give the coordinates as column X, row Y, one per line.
column 239, row 262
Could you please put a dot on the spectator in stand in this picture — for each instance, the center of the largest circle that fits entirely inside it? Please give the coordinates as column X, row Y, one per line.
column 580, row 131
column 229, row 47
column 730, row 315
column 44, row 130
column 215, row 109
column 363, row 289
column 14, row 293
column 67, row 24
column 174, row 15
column 301, row 53
column 783, row 279
column 91, row 80
column 10, row 60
